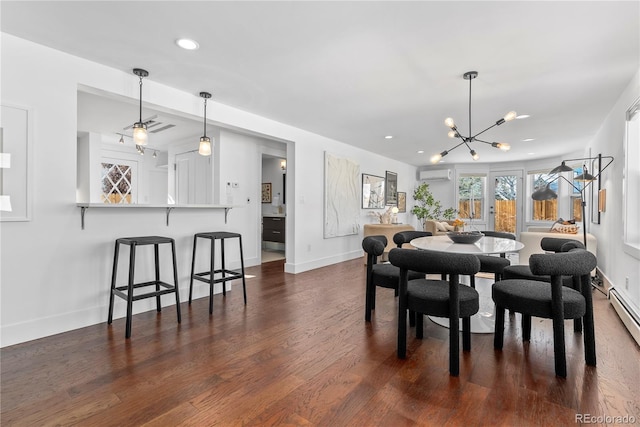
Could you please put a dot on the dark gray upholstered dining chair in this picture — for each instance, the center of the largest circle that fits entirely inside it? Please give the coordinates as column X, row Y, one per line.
column 551, row 301
column 493, row 264
column 440, row 298
column 379, row 274
column 403, row 237
column 549, row 244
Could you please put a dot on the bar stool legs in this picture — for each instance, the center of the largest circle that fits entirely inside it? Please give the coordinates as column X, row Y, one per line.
column 126, row 292
column 225, row 273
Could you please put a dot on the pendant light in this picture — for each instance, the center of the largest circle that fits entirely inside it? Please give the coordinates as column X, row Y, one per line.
column 205, row 141
column 140, row 136
column 454, row 132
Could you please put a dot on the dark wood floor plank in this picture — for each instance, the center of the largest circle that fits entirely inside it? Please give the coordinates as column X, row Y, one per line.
column 300, row 353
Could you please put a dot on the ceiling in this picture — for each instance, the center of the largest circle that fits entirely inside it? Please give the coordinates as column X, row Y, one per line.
column 358, row 71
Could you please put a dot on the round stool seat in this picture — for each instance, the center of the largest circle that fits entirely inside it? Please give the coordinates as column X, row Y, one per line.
column 386, row 275
column 493, row 264
column 523, row 272
column 218, row 235
column 432, row 296
column 534, row 298
column 144, row 240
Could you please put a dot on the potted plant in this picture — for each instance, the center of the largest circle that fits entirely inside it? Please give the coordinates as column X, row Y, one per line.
column 427, row 207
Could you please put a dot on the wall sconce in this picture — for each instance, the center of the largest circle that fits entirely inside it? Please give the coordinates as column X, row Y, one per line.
column 283, row 165
column 140, row 135
column 205, row 142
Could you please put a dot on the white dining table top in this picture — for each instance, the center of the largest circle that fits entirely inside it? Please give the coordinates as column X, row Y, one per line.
column 485, row 246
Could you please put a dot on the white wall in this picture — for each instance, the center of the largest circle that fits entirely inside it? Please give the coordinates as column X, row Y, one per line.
column 615, row 263
column 55, row 277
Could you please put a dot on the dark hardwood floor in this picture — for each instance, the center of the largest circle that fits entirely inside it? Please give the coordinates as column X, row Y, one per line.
column 300, row 353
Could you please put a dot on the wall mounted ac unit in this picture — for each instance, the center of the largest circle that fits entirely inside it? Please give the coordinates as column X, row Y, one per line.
column 436, row 175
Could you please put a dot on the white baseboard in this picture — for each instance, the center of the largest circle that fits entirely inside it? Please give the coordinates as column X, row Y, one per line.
column 632, row 325
column 322, row 262
column 46, row 326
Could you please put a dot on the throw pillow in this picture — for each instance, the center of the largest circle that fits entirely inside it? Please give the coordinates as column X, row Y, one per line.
column 558, row 221
column 562, row 228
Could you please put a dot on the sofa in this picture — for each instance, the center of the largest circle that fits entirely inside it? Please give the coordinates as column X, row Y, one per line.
column 532, row 237
column 430, row 226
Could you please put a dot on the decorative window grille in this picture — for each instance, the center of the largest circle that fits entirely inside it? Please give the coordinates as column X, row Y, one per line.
column 117, row 187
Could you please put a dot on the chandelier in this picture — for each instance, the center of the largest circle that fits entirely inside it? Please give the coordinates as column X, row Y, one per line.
column 466, row 140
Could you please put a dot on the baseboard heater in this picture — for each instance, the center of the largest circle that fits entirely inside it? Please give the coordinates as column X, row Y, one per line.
column 628, row 315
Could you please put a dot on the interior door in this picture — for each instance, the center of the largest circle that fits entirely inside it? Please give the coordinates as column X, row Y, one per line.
column 193, row 178
column 505, row 207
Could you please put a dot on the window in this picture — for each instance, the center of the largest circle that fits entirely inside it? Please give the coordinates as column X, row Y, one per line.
column 543, row 210
column 631, row 200
column 116, row 183
column 471, row 196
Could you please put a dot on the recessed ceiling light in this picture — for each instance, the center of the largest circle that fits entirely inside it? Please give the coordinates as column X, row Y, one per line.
column 187, row 44
column 523, row 116
column 531, row 154
column 528, row 139
column 388, row 137
column 420, row 151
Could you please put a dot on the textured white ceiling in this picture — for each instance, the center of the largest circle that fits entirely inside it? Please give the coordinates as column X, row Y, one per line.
column 357, row 71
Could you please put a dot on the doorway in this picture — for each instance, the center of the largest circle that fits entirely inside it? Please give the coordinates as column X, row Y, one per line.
column 273, row 211
column 505, row 202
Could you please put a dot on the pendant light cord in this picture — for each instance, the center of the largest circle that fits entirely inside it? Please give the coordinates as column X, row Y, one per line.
column 204, row 123
column 470, row 137
column 140, row 99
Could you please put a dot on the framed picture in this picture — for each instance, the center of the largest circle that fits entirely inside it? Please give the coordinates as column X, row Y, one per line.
column 372, row 191
column 266, row 192
column 402, row 202
column 391, row 187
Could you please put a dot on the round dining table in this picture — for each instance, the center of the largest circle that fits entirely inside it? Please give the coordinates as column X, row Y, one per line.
column 484, row 321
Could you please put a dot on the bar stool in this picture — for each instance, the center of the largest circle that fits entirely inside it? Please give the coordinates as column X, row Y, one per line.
column 126, row 292
column 226, row 274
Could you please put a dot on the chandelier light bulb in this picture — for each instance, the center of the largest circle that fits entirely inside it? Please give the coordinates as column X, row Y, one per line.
column 510, row 116
column 474, row 155
column 449, row 122
column 452, row 134
column 437, row 157
column 501, row 145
